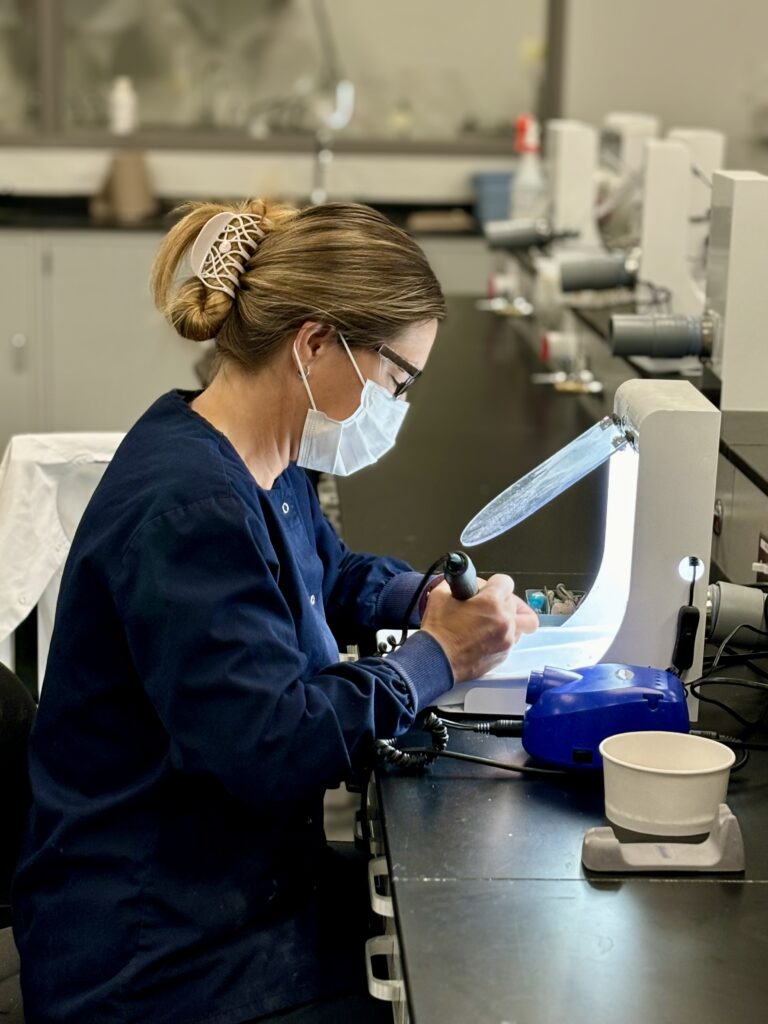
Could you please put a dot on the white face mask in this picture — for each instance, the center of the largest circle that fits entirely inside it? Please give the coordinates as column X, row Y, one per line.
column 344, row 446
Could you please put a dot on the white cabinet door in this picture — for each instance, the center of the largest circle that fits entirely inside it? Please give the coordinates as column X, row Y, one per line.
column 108, row 352
column 19, row 334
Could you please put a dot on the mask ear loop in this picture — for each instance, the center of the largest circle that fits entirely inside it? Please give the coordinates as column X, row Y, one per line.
column 303, row 375
column 357, row 368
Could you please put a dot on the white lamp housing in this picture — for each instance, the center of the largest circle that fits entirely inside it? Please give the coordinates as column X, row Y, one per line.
column 660, row 496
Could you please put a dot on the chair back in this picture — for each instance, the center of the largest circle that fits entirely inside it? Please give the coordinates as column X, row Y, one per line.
column 17, row 712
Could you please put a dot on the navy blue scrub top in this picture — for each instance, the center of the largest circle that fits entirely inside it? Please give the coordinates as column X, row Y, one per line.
column 193, row 713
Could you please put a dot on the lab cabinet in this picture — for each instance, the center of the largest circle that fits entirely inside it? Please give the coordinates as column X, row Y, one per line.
column 84, row 349
column 20, row 336
column 108, row 352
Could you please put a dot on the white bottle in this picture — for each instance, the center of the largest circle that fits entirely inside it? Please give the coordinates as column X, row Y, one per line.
column 123, row 107
column 528, row 196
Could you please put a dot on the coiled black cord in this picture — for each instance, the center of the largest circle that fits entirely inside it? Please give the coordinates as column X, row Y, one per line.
column 389, row 753
column 421, row 757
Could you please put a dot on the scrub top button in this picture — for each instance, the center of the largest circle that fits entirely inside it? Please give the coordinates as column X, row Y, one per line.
column 312, row 599
column 286, row 507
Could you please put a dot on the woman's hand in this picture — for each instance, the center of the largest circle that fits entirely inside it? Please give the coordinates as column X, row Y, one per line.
column 477, row 634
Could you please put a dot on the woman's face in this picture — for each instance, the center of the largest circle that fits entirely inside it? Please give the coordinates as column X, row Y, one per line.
column 336, row 386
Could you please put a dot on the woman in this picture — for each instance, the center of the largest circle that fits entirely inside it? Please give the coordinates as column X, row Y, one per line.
column 194, row 710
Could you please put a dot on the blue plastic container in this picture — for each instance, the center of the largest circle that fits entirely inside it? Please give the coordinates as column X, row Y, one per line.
column 492, row 194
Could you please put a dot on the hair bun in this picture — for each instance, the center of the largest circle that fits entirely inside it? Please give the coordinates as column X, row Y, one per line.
column 198, row 312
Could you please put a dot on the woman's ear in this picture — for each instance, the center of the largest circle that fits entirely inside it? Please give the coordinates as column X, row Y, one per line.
column 312, row 339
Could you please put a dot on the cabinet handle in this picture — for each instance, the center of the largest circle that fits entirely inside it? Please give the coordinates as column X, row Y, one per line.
column 381, row 905
column 18, row 352
column 388, row 989
column 372, row 842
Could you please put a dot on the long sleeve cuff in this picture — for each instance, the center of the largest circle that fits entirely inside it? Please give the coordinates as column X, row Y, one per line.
column 424, row 666
column 396, row 595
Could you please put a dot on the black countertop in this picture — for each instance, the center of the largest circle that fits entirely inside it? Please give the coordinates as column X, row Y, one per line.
column 72, row 213
column 539, row 952
column 498, row 921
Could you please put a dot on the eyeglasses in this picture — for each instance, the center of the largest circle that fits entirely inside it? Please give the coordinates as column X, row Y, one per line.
column 413, row 372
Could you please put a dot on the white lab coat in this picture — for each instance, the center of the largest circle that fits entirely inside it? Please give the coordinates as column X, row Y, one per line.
column 46, row 480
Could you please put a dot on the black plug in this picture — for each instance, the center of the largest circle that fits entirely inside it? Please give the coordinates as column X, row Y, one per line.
column 685, row 640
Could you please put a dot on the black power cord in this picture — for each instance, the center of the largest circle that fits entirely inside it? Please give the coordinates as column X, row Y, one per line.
column 721, row 660
column 750, row 684
column 420, row 757
column 521, row 769
column 732, row 634
column 437, row 566
column 732, row 741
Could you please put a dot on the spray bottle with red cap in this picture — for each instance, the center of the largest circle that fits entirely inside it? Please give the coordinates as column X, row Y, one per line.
column 528, row 187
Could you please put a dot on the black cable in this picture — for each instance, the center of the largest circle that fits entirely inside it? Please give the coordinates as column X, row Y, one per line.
column 436, row 565
column 695, row 690
column 732, row 634
column 482, row 726
column 744, row 744
column 522, row 769
column 735, row 661
column 421, row 757
column 738, row 765
column 694, row 564
column 733, row 742
column 466, row 726
column 735, row 658
column 388, row 752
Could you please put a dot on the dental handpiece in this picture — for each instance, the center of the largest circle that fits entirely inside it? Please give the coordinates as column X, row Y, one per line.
column 460, row 575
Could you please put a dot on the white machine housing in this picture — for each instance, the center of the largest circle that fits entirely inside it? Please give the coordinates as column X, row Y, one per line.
column 624, row 135
column 707, row 149
column 660, row 495
column 672, row 196
column 737, row 292
column 572, row 163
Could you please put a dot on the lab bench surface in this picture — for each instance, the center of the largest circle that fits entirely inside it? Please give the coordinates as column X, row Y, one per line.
column 498, row 922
